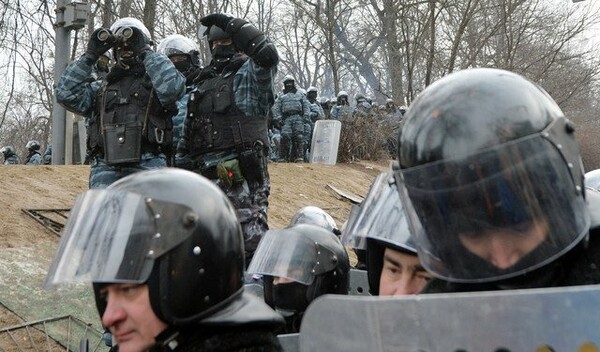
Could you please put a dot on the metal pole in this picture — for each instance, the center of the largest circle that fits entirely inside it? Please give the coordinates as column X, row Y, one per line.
column 61, row 59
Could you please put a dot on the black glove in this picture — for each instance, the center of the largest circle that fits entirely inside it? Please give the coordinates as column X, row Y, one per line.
column 216, row 19
column 96, row 46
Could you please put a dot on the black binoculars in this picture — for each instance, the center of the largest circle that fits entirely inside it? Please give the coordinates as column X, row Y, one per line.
column 122, row 34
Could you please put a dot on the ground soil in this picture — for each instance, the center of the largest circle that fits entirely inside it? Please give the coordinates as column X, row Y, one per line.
column 292, row 187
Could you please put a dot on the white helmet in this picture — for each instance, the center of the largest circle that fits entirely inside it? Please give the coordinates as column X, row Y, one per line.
column 177, row 44
column 131, row 22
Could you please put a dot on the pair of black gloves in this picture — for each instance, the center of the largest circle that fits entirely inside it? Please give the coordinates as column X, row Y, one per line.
column 100, row 43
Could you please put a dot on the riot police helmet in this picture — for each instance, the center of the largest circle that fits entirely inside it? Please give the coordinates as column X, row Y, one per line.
column 130, row 32
column 33, row 145
column 315, row 216
column 8, row 151
column 491, row 177
column 177, row 44
column 309, row 260
column 171, row 229
column 379, row 223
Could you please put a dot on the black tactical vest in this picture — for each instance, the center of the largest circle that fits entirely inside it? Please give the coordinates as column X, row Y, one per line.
column 129, row 120
column 215, row 123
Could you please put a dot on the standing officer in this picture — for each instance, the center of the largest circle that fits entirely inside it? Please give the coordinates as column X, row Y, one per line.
column 341, row 110
column 316, row 113
column 225, row 135
column 291, row 111
column 129, row 111
column 185, row 55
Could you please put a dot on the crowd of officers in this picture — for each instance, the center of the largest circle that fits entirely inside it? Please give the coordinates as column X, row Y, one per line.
column 296, row 111
column 34, row 156
column 487, row 193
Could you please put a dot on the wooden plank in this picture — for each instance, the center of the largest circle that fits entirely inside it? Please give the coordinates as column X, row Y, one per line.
column 354, row 198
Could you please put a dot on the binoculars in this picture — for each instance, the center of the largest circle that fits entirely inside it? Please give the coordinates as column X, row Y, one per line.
column 121, row 35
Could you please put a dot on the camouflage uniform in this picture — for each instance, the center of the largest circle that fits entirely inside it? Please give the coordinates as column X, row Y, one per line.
column 77, row 94
column 341, row 112
column 274, row 141
column 47, row 157
column 34, row 158
column 316, row 113
column 11, row 160
column 291, row 110
column 178, row 122
column 236, row 133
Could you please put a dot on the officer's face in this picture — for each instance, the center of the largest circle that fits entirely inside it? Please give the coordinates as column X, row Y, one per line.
column 221, row 42
column 402, row 274
column 504, row 247
column 130, row 318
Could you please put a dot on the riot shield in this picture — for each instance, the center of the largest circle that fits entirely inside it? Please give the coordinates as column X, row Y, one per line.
column 552, row 319
column 325, row 142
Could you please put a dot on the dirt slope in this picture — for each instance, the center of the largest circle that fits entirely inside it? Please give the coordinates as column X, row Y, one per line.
column 41, row 187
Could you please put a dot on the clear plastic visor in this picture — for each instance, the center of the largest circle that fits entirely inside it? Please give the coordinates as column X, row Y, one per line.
column 380, row 217
column 115, row 236
column 287, row 253
column 496, row 214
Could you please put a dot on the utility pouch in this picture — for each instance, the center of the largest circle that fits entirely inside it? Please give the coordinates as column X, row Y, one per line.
column 123, row 142
column 253, row 163
column 230, row 173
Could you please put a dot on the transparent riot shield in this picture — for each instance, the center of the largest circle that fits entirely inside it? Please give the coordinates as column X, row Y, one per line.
column 325, row 142
column 556, row 319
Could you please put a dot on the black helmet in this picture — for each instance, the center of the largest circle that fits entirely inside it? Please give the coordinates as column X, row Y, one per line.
column 33, row 145
column 306, row 254
column 315, row 216
column 379, row 223
column 216, row 33
column 171, row 229
column 488, row 156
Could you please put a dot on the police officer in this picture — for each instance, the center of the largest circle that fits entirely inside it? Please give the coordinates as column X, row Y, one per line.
column 10, row 155
column 184, row 54
column 165, row 253
column 380, row 228
column 299, row 264
column 363, row 107
column 341, row 110
column 33, row 157
column 494, row 186
column 128, row 112
column 225, row 136
column 316, row 113
column 326, row 106
column 291, row 111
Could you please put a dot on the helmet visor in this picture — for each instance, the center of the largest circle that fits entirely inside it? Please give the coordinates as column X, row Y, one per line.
column 381, row 217
column 496, row 214
column 287, row 253
column 115, row 236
